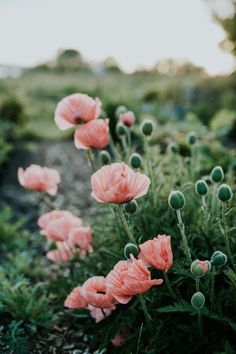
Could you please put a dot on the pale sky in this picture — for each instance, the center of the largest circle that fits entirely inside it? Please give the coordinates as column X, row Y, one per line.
column 134, row 32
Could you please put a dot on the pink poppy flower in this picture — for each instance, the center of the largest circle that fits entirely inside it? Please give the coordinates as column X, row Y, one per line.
column 39, row 178
column 62, row 253
column 81, row 237
column 94, row 291
column 118, row 183
column 128, row 279
column 127, row 118
column 204, row 265
column 94, row 134
column 75, row 109
column 75, row 300
column 98, row 313
column 57, row 224
column 157, row 253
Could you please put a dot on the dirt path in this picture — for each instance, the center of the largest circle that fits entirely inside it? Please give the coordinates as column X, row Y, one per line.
column 74, row 191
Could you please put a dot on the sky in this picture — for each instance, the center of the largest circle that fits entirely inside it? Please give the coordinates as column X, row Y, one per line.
column 135, row 32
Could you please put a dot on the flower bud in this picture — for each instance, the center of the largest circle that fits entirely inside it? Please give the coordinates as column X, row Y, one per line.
column 105, row 157
column 201, row 187
column 120, row 110
column 200, row 268
column 147, row 127
column 129, row 249
column 192, row 138
column 224, row 193
column 176, row 200
column 217, row 174
column 135, row 160
column 131, row 207
column 218, row 259
column 120, row 129
column 198, row 300
column 173, row 147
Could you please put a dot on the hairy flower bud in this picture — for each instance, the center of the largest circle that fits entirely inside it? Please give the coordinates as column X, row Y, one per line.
column 224, row 193
column 120, row 110
column 201, row 187
column 198, row 300
column 200, row 268
column 105, row 157
column 131, row 207
column 173, row 147
column 135, row 160
column 120, row 129
column 217, row 174
column 192, row 138
column 218, row 259
column 176, row 200
column 129, row 249
column 147, row 127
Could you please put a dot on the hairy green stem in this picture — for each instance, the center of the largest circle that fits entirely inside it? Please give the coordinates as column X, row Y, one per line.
column 226, row 236
column 212, row 294
column 90, row 159
column 214, row 199
column 145, row 310
column 124, row 223
column 197, row 284
column 181, row 227
column 167, row 281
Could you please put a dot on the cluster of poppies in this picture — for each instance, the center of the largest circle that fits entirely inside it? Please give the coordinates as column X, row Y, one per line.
column 115, row 183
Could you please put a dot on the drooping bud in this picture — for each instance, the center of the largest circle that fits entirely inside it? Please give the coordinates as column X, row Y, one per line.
column 217, row 174
column 127, row 118
column 129, row 249
column 135, row 160
column 218, row 259
column 147, row 127
column 176, row 200
column 131, row 207
column 198, row 300
column 120, row 129
column 192, row 138
column 201, row 187
column 200, row 268
column 120, row 110
column 173, row 147
column 105, row 157
column 224, row 193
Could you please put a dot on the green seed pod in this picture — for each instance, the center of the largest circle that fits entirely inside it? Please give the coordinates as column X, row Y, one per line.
column 200, row 268
column 176, row 200
column 120, row 129
column 217, row 174
column 198, row 300
column 147, row 127
column 201, row 187
column 120, row 110
column 105, row 157
column 131, row 207
column 135, row 160
column 224, row 193
column 192, row 138
column 173, row 147
column 218, row 259
column 129, row 249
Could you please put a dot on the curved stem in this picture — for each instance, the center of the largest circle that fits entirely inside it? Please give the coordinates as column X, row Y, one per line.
column 226, row 236
column 181, row 226
column 145, row 310
column 167, row 281
column 90, row 158
column 124, row 223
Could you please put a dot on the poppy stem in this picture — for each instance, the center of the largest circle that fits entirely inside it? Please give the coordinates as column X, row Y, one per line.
column 145, row 310
column 124, row 223
column 167, row 281
column 90, row 158
column 199, row 320
column 181, row 227
column 212, row 295
column 226, row 236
